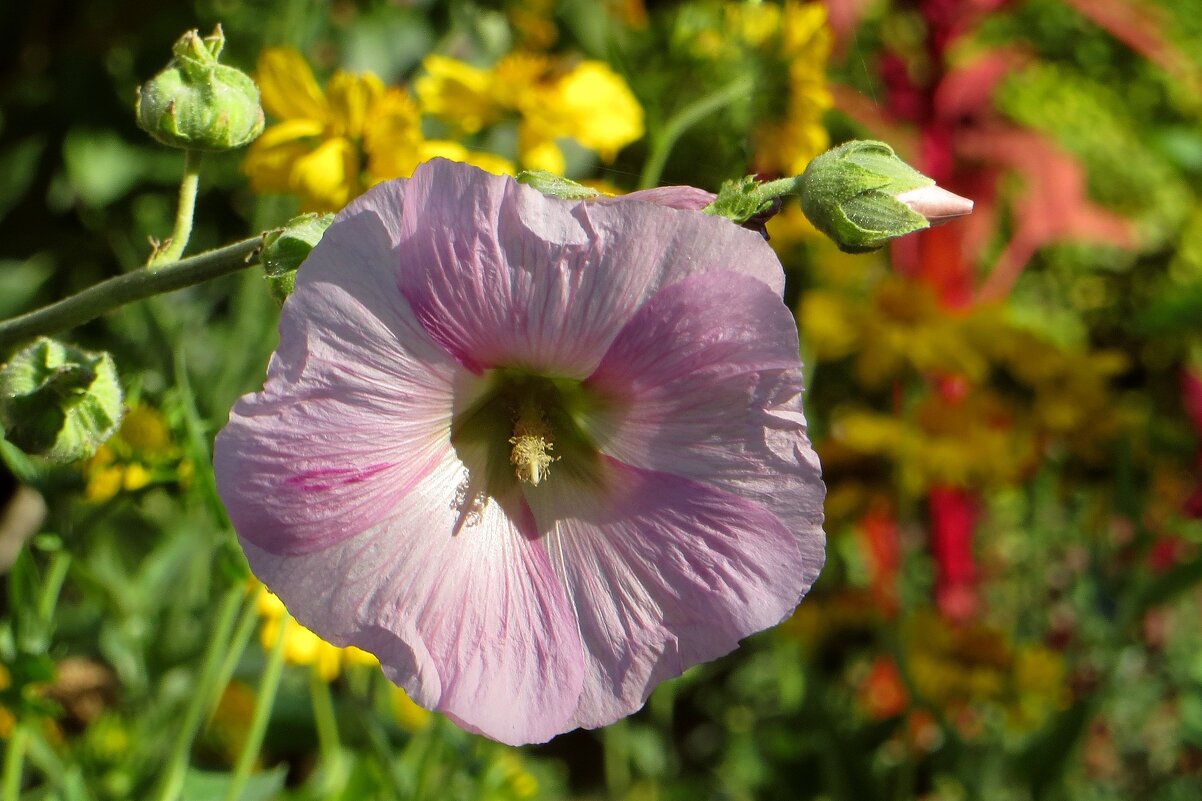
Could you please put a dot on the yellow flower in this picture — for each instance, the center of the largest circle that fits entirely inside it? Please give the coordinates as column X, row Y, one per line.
column 139, row 454
column 314, row 151
column 409, row 715
column 302, row 646
column 329, row 146
column 589, row 103
column 458, row 92
column 598, row 109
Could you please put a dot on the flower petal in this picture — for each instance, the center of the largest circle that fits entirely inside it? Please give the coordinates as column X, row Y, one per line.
column 468, row 617
column 688, row 198
column 357, row 405
column 664, row 573
column 538, row 282
column 289, row 90
column 708, row 380
column 327, row 177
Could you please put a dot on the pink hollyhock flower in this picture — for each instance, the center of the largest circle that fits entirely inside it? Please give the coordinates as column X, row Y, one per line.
column 536, row 455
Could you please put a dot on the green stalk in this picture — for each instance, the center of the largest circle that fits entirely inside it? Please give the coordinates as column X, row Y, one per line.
column 327, row 722
column 665, row 138
column 14, row 762
column 177, row 763
column 615, row 743
column 428, row 765
column 115, row 292
column 56, row 574
column 246, row 626
column 269, row 686
column 182, row 231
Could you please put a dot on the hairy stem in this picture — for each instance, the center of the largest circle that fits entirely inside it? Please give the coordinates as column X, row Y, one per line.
column 174, row 247
column 119, row 290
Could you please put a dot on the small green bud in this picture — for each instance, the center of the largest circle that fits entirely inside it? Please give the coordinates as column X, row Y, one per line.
column 861, row 195
column 285, row 248
column 556, row 185
column 58, row 401
column 196, row 103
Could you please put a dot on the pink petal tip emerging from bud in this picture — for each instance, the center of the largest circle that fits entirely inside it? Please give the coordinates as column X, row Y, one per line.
column 936, row 204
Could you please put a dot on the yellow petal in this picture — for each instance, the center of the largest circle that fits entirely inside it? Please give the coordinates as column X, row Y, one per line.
column 521, row 80
column 357, row 656
column 540, row 153
column 136, row 477
column 327, row 660
column 601, row 111
column 458, row 93
column 327, row 178
column 289, row 90
column 352, row 100
column 270, row 159
column 268, row 605
column 393, row 137
column 489, row 162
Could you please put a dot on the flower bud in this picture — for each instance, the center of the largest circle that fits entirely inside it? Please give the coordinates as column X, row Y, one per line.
column 285, row 248
column 196, row 103
column 861, row 195
column 58, row 401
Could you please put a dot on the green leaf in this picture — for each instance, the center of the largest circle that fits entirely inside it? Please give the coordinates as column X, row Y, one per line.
column 203, row 785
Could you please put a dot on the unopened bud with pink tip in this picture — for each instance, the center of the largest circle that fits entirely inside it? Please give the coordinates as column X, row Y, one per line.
column 861, row 195
column 936, row 204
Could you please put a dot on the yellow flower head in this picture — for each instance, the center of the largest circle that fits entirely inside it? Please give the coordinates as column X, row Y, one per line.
column 589, row 103
column 302, row 646
column 140, row 452
column 459, row 93
column 314, row 150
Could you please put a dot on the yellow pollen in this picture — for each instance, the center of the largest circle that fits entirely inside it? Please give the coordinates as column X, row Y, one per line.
column 531, row 442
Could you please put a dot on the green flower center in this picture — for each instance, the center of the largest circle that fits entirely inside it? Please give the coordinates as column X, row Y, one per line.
column 520, row 427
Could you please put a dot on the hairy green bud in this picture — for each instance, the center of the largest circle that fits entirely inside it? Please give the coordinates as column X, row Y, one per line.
column 196, row 103
column 58, row 401
column 861, row 195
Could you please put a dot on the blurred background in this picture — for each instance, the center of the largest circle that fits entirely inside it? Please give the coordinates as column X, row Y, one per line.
column 1008, row 408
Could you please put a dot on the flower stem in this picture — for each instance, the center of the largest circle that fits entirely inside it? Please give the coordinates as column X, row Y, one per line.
column 14, row 762
column 115, row 292
column 177, row 764
column 325, row 719
column 242, row 632
column 182, row 232
column 666, row 137
column 615, row 742
column 269, row 686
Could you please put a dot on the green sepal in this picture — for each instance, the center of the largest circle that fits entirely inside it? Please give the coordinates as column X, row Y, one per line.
column 850, row 194
column 58, row 401
column 741, row 199
column 284, row 249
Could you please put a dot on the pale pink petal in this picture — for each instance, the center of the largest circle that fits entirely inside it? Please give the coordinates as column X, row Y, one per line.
column 707, row 383
column 664, row 573
column 357, row 404
column 689, row 198
column 462, row 608
column 502, row 276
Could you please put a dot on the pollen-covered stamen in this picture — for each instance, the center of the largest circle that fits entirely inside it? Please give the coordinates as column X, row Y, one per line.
column 531, row 442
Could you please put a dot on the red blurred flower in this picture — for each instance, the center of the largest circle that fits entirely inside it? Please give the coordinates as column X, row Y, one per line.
column 954, row 512
column 878, row 531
